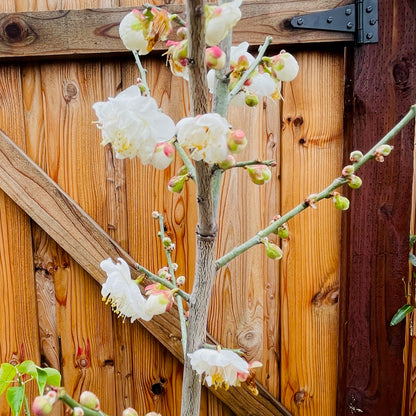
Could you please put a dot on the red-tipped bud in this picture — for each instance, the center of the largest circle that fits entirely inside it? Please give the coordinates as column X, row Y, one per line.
column 259, row 174
column 348, row 170
column 176, row 183
column 382, row 151
column 90, row 400
column 163, row 155
column 356, row 156
column 214, row 57
column 284, row 66
column 237, row 141
column 180, row 280
column 354, row 182
column 283, row 231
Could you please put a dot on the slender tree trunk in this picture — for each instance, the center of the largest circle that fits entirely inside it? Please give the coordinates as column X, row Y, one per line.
column 206, row 232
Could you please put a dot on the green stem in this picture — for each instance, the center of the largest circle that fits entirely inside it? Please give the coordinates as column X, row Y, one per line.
column 251, row 68
column 214, row 347
column 69, row 401
column 185, row 159
column 160, row 280
column 177, row 296
column 326, row 193
column 142, row 72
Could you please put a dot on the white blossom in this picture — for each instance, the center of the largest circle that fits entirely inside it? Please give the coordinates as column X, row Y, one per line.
column 133, row 124
column 220, row 20
column 122, row 292
column 219, row 367
column 205, row 136
column 133, row 32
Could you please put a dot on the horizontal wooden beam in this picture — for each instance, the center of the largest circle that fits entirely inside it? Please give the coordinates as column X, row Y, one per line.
column 88, row 244
column 94, row 32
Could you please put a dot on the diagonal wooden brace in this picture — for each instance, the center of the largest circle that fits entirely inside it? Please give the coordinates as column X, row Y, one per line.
column 88, row 244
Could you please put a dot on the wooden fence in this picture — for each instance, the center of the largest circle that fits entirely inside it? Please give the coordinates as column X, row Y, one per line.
column 319, row 358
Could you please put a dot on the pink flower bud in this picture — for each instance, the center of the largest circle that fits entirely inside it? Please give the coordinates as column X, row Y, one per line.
column 163, row 155
column 90, row 400
column 237, row 141
column 227, row 163
column 155, row 215
column 259, row 174
column 382, row 151
column 182, row 33
column 284, row 66
column 41, row 406
column 176, row 183
column 215, row 58
column 130, row 412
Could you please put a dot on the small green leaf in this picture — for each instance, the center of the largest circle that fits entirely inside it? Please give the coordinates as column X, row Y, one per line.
column 41, row 379
column 401, row 314
column 15, row 397
column 27, row 367
column 412, row 259
column 412, row 240
column 53, row 376
column 7, row 373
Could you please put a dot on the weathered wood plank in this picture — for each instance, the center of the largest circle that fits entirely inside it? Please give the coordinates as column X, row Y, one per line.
column 65, row 33
column 88, row 244
column 312, row 141
column 382, row 84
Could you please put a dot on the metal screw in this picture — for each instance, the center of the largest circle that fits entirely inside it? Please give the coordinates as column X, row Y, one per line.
column 348, row 12
column 349, row 25
column 330, row 19
column 300, row 21
column 369, row 9
column 372, row 22
column 369, row 35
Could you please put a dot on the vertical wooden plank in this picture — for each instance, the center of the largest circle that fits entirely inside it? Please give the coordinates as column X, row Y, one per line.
column 376, row 232
column 18, row 313
column 311, row 159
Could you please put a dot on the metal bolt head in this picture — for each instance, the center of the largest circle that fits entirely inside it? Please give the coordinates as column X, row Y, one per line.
column 348, row 12
column 299, row 21
column 329, row 19
column 369, row 35
column 372, row 22
column 369, row 9
column 349, row 25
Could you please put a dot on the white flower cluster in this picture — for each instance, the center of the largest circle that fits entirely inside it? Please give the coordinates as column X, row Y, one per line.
column 134, row 125
column 125, row 296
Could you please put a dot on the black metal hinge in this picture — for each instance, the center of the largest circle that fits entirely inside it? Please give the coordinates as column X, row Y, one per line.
column 360, row 18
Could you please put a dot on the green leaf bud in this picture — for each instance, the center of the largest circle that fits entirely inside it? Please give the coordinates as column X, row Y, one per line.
column 273, row 251
column 341, row 202
column 259, row 174
column 283, row 231
column 354, row 182
column 347, row 170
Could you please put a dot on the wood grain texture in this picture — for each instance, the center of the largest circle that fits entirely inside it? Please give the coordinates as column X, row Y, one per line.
column 312, row 141
column 18, row 311
column 84, row 240
column 382, row 87
column 54, row 33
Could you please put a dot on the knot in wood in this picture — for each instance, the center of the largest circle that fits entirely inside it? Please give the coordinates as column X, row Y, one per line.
column 15, row 31
column 70, row 91
column 206, row 237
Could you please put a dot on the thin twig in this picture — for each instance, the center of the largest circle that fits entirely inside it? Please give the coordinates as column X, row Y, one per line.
column 326, row 193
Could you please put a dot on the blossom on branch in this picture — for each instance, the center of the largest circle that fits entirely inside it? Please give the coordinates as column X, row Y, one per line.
column 220, row 20
column 133, row 124
column 140, row 32
column 220, row 368
column 122, row 292
column 205, row 136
